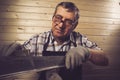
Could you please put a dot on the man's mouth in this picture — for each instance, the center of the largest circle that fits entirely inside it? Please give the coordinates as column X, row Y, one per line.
column 59, row 31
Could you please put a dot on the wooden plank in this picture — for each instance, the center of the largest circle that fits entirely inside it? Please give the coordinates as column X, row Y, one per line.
column 99, row 32
column 54, row 3
column 25, row 22
column 11, row 30
column 99, row 14
column 43, row 9
column 105, row 3
column 99, row 9
column 99, row 20
column 16, row 15
column 98, row 26
column 27, row 9
column 24, row 29
column 14, row 36
column 105, row 39
column 41, row 3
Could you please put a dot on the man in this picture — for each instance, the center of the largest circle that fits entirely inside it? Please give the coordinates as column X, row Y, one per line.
column 63, row 38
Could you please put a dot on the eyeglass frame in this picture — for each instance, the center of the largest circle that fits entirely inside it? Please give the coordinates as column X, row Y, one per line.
column 59, row 20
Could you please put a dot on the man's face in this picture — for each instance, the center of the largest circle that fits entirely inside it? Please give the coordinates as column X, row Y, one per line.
column 62, row 23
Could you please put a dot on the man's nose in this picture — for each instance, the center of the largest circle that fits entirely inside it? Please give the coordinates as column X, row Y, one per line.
column 62, row 23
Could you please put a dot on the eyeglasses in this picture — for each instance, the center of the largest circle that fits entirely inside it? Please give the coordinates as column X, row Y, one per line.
column 58, row 19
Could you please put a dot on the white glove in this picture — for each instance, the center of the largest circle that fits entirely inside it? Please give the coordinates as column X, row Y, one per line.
column 76, row 56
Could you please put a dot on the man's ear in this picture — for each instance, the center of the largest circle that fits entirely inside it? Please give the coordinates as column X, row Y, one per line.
column 75, row 25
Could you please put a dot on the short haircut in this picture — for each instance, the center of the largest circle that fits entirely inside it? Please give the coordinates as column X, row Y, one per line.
column 71, row 8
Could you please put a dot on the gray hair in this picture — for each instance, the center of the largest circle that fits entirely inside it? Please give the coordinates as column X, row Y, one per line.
column 71, row 8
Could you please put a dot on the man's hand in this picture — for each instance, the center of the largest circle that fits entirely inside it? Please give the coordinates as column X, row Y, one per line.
column 76, row 56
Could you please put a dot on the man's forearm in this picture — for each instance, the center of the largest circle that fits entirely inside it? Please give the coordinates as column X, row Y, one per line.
column 98, row 57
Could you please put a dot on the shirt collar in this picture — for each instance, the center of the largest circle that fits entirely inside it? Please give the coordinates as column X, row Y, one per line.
column 72, row 38
column 51, row 37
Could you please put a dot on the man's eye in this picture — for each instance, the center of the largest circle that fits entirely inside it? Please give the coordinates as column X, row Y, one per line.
column 69, row 21
column 58, row 17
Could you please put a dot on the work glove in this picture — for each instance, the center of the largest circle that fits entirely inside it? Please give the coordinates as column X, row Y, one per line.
column 76, row 56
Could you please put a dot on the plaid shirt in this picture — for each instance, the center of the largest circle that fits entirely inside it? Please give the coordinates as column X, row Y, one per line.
column 37, row 43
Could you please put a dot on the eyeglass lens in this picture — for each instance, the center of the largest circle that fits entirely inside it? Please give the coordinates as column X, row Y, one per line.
column 58, row 19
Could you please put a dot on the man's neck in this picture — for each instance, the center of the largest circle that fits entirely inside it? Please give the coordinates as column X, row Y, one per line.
column 61, row 40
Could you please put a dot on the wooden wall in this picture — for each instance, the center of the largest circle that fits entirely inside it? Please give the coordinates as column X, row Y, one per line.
column 99, row 21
